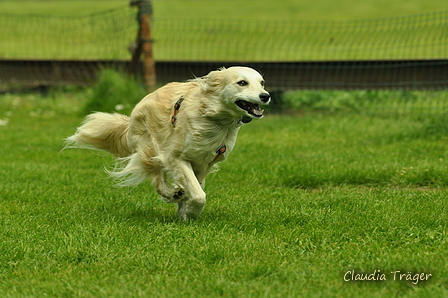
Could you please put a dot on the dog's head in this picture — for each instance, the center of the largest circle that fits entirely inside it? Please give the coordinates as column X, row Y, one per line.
column 239, row 89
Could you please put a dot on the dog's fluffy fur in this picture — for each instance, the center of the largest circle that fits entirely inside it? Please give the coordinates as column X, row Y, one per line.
column 149, row 144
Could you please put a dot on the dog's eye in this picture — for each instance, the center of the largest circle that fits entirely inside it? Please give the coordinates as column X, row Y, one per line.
column 242, row 83
column 262, row 83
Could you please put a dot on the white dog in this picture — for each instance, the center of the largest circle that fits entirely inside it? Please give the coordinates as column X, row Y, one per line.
column 177, row 133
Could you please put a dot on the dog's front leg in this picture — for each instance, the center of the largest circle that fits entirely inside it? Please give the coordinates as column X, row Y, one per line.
column 193, row 200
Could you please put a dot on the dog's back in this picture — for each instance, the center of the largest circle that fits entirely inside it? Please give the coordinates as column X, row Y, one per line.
column 119, row 134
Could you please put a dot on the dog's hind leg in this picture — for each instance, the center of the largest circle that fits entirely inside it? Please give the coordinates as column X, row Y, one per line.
column 192, row 199
column 146, row 164
column 169, row 193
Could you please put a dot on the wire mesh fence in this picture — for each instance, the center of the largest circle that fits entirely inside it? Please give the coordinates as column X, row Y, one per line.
column 397, row 53
column 103, row 35
column 107, row 35
column 413, row 37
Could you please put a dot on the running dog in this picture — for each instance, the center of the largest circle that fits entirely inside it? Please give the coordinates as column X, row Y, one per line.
column 178, row 133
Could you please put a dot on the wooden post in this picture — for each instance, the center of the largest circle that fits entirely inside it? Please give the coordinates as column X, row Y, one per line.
column 144, row 45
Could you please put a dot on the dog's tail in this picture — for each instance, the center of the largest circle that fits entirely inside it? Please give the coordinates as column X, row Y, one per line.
column 103, row 131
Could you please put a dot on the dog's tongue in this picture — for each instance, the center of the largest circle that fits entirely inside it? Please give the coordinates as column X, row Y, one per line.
column 252, row 108
column 257, row 111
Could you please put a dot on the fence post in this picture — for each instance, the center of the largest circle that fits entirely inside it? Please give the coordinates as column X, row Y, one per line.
column 144, row 44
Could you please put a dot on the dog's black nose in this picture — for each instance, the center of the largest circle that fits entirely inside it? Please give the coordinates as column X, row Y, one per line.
column 265, row 97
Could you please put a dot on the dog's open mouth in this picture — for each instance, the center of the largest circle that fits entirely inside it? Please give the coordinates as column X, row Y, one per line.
column 252, row 108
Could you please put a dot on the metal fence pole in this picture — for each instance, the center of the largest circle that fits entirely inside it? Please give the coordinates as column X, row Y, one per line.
column 144, row 44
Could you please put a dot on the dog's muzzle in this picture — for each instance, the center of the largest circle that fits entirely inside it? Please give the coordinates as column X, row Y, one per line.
column 253, row 109
column 265, row 97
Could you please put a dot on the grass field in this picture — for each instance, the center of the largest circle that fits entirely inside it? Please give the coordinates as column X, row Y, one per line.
column 288, row 10
column 301, row 202
column 386, row 102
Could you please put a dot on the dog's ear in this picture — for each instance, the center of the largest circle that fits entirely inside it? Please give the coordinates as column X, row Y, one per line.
column 215, row 81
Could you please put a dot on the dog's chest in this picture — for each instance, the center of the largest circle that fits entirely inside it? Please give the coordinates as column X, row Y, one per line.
column 205, row 147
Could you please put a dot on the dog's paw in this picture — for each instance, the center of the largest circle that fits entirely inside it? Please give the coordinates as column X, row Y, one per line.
column 178, row 195
column 190, row 209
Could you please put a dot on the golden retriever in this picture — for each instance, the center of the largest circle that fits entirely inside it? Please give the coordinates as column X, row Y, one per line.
column 176, row 134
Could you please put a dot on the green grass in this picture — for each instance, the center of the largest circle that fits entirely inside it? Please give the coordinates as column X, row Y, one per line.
column 414, row 37
column 301, row 200
column 250, row 30
column 288, row 10
column 58, row 7
column 366, row 101
column 115, row 91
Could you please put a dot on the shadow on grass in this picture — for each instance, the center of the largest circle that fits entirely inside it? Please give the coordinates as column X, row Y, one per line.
column 430, row 179
column 132, row 213
column 430, row 127
column 150, row 216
